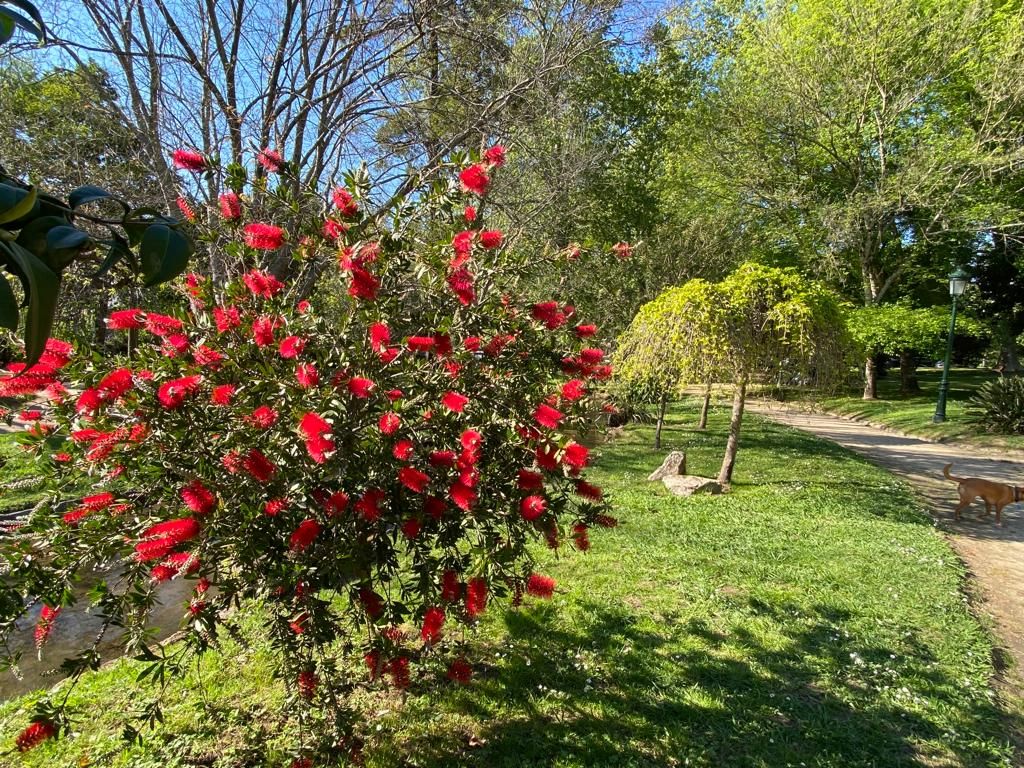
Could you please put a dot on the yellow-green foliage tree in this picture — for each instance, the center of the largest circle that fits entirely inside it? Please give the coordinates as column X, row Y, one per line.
column 759, row 324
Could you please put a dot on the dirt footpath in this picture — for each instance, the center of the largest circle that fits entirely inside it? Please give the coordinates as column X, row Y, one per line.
column 994, row 555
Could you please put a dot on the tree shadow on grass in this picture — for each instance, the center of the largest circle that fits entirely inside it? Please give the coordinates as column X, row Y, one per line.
column 679, row 692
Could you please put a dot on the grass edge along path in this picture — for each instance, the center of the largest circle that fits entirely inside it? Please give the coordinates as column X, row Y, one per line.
column 814, row 616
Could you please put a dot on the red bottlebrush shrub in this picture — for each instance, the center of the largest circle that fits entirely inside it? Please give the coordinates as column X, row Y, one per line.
column 270, row 453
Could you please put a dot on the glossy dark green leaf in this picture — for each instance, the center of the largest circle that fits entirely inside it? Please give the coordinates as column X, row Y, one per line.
column 42, row 305
column 32, row 12
column 6, row 27
column 33, row 236
column 87, row 194
column 136, row 222
column 164, row 253
column 8, row 305
column 118, row 250
column 65, row 236
column 15, row 202
column 17, row 20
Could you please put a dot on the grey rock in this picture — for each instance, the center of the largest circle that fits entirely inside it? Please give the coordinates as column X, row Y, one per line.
column 688, row 485
column 674, row 464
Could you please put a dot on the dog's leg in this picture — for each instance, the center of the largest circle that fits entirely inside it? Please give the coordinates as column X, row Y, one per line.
column 999, row 514
column 964, row 504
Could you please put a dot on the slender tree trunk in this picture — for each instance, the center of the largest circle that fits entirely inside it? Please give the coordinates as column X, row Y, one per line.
column 702, row 423
column 908, row 373
column 99, row 334
column 870, row 379
column 739, row 399
column 661, row 421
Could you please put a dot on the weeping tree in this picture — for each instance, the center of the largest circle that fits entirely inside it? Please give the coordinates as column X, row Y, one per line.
column 760, row 324
column 672, row 344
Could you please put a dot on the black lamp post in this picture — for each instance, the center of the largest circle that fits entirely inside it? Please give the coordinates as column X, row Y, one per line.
column 957, row 285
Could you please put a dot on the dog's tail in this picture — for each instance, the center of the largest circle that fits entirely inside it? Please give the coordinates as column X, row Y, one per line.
column 945, row 471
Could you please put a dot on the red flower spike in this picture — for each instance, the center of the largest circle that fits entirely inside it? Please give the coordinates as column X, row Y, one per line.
column 291, row 347
column 454, row 402
column 258, row 466
column 413, row 479
column 230, row 206
column 411, row 528
column 586, row 331
column 442, row 458
column 491, row 239
column 275, row 507
column 460, row 671
column 548, row 417
column 345, row 202
column 420, row 343
column 270, row 159
column 360, row 387
column 369, row 504
column 469, row 214
column 433, row 620
column 307, row 683
column 451, row 586
column 581, row 537
column 461, row 283
column 540, row 586
column 263, row 417
column 573, row 390
column 532, row 507
column 575, row 456
column 44, row 625
column 529, row 481
column 372, row 603
column 435, row 507
column 463, row 496
column 188, row 160
column 380, row 336
column 35, row 734
column 198, row 498
column 176, row 531
column 221, row 395
column 546, row 457
column 307, row 375
column 403, row 450
column 263, row 237
column 389, row 423
column 495, row 156
column 588, row 491
column 304, row 535
column 476, row 597
column 172, row 394
column 475, row 179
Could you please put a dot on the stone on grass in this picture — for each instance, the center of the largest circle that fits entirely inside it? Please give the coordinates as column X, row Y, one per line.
column 674, row 464
column 688, row 485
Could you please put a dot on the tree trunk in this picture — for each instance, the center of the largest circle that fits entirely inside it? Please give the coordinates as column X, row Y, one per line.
column 1008, row 360
column 739, row 399
column 99, row 333
column 703, row 422
column 661, row 422
column 870, row 379
column 908, row 374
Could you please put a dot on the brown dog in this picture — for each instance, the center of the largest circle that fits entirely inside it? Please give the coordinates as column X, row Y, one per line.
column 994, row 494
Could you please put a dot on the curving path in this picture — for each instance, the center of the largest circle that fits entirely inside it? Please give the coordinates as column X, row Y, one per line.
column 994, row 555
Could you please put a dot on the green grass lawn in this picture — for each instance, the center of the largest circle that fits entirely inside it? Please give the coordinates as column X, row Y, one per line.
column 913, row 413
column 812, row 617
column 16, row 465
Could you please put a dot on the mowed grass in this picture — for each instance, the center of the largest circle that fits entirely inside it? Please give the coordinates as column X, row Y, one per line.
column 16, row 465
column 812, row 617
column 913, row 413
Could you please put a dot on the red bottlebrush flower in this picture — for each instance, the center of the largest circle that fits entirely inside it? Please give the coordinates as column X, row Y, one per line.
column 61, row 458
column 262, row 284
column 462, row 245
column 258, row 466
column 541, row 586
column 307, row 684
column 153, row 549
column 411, row 528
column 72, row 517
column 230, row 206
column 491, row 238
column 443, row 344
column 387, row 356
column 263, row 417
column 420, row 343
column 451, row 586
column 460, row 671
column 581, row 537
column 532, row 507
column 476, row 597
column 188, row 160
column 222, row 394
column 307, row 375
column 126, row 319
column 469, row 214
column 606, row 521
column 452, row 368
column 588, row 491
column 186, row 208
column 380, row 336
column 198, row 498
column 497, row 345
column 336, row 503
column 44, row 625
column 263, row 331
column 403, row 450
column 546, row 457
column 270, row 159
column 162, row 325
column 175, row 345
column 622, row 250
column 454, row 402
column 529, row 481
column 442, row 458
column 345, row 202
column 591, row 356
column 333, row 230
column 585, row 331
column 369, row 504
column 275, row 507
column 372, row 603
column 35, row 734
column 398, row 669
column 360, row 387
column 319, row 447
column 298, row 624
column 472, row 343
column 461, row 283
column 226, row 318
column 543, row 311
column 303, row 307
column 206, row 357
column 373, row 660
column 172, row 394
column 463, row 496
column 434, row 507
column 576, row 456
column 98, row 502
column 291, row 347
column 304, row 535
column 495, row 156
column 573, row 390
column 364, row 285
column 181, row 562
column 470, row 439
column 413, row 479
column 475, row 179
column 547, row 416
column 89, row 401
column 176, row 531
column 389, row 423
column 433, row 620
column 263, row 237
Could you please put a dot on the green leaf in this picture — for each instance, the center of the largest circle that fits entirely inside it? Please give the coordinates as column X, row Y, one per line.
column 8, row 306
column 45, row 286
column 137, row 222
column 89, row 194
column 16, row 19
column 65, row 236
column 33, row 13
column 118, row 250
column 164, row 253
column 6, row 27
column 15, row 202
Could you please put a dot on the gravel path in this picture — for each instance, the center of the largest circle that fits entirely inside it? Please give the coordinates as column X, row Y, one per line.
column 994, row 555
